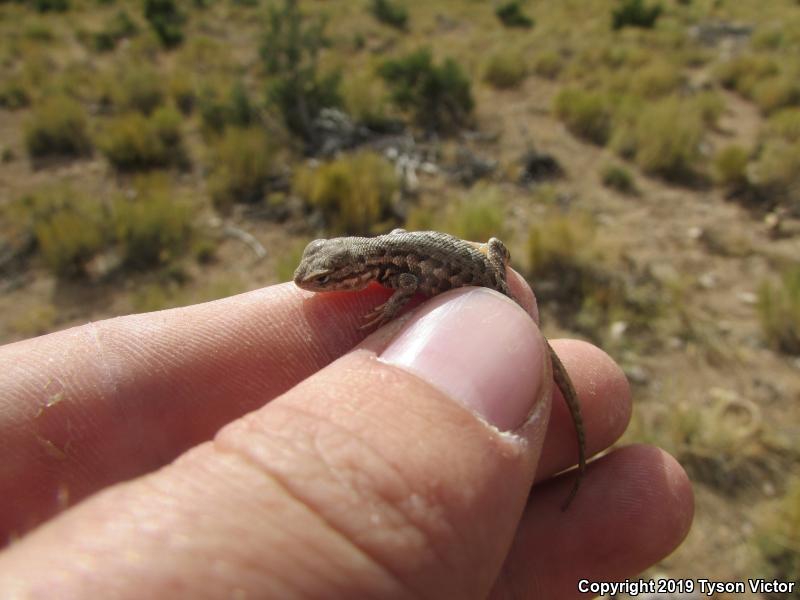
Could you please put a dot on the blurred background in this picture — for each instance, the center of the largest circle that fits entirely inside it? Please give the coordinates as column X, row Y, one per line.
column 640, row 158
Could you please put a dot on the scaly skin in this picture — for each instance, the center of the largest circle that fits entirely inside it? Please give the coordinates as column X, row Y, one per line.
column 428, row 262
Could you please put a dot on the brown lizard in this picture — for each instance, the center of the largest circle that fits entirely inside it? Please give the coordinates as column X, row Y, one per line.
column 428, row 262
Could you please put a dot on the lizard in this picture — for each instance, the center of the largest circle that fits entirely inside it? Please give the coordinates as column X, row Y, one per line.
column 428, row 262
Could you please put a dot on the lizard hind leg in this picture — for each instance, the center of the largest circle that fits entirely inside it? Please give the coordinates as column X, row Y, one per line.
column 498, row 255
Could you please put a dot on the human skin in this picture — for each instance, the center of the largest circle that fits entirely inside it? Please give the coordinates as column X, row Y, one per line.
column 260, row 446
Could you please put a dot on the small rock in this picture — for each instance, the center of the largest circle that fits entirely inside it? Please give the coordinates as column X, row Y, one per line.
column 102, row 265
column 637, row 374
column 429, row 168
column 747, row 298
column 617, row 329
column 469, row 167
column 694, row 233
column 707, row 281
column 675, row 343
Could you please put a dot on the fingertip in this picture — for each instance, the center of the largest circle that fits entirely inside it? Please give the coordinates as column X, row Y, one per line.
column 657, row 480
column 523, row 293
column 635, row 507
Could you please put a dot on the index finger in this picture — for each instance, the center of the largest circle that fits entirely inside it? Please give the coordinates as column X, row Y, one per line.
column 97, row 404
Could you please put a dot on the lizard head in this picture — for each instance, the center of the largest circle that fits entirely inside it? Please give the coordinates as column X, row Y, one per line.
column 329, row 265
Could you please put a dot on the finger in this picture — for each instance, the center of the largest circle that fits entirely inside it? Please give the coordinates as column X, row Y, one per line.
column 635, row 507
column 523, row 293
column 382, row 475
column 605, row 399
column 98, row 404
column 101, row 403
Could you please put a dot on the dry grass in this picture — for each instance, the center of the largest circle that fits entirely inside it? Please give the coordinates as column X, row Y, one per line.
column 58, row 127
column 68, row 225
column 133, row 142
column 506, row 69
column 354, row 193
column 779, row 310
column 153, row 227
column 243, row 161
column 778, row 536
column 730, row 166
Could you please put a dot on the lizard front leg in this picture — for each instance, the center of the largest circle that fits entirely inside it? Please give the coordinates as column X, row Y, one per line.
column 406, row 285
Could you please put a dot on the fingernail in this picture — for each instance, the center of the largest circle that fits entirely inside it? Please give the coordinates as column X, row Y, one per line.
column 478, row 347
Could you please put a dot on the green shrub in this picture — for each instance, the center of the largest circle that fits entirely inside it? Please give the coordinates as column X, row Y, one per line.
column 785, row 124
column 587, row 114
column 121, row 25
column 778, row 537
column 137, row 87
column 779, row 311
column 775, row 93
column 39, row 318
column 182, row 91
column 745, row 71
column 365, row 98
column 241, row 111
column 775, row 172
column 559, row 244
column 101, row 41
column 57, row 127
column 166, row 20
column 438, row 96
column 575, row 270
column 218, row 111
column 66, row 243
column 624, row 139
column 710, row 105
column 153, row 227
column 730, row 166
column 477, row 217
column 134, row 142
column 668, row 135
column 39, row 31
column 69, row 228
column 618, row 178
column 290, row 52
column 548, row 64
column 389, row 12
column 14, row 94
column 511, row 15
column 51, row 5
column 768, row 39
column 117, row 28
column 635, row 13
column 354, row 193
column 656, row 79
column 505, row 69
column 203, row 54
column 243, row 163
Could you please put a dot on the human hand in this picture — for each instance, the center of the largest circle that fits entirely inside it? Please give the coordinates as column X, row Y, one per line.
column 367, row 476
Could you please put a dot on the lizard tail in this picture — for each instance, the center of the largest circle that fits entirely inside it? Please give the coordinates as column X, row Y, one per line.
column 564, row 384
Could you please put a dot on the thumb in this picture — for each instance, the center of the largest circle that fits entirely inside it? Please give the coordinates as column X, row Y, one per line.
column 402, row 469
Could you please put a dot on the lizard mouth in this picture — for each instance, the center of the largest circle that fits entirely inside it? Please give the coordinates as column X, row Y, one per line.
column 314, row 280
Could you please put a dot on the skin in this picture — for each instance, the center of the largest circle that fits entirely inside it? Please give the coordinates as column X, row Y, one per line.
column 324, row 488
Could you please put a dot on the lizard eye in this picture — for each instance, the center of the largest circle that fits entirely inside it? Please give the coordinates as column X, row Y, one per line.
column 322, row 279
